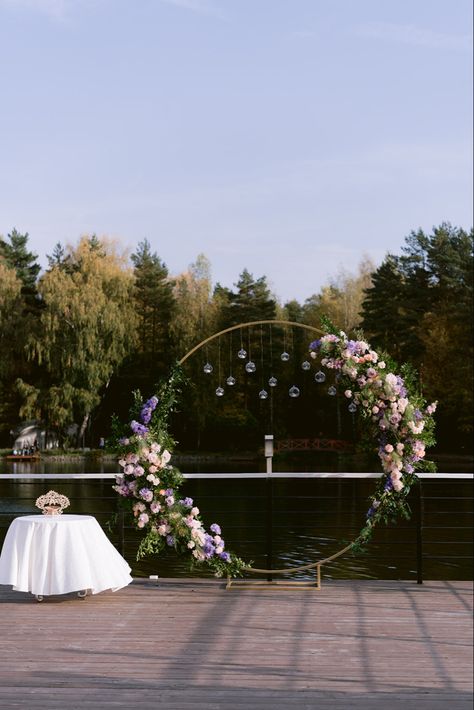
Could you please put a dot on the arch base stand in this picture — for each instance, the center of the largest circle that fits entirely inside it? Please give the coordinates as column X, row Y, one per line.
column 284, row 584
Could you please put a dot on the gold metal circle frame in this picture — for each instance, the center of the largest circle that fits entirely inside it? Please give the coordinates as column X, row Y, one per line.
column 232, row 583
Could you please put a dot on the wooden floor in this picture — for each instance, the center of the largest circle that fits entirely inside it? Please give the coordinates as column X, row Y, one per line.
column 192, row 645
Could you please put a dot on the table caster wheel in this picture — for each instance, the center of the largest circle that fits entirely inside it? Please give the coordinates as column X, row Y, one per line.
column 39, row 597
column 82, row 594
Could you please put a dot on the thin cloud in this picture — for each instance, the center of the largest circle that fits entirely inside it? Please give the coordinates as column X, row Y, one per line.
column 415, row 36
column 200, row 7
column 54, row 9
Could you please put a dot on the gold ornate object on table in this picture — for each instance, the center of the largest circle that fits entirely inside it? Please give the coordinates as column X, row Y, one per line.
column 52, row 503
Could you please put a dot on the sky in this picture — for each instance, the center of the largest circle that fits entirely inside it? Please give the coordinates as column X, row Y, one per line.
column 293, row 138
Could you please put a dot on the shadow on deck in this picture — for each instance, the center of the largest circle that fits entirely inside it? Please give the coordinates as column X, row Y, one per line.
column 190, row 644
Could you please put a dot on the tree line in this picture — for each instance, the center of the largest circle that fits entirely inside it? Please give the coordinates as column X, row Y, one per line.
column 77, row 338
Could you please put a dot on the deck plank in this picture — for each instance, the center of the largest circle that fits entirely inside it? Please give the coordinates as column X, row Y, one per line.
column 182, row 644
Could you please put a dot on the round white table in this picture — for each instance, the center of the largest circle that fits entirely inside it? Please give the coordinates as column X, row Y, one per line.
column 58, row 554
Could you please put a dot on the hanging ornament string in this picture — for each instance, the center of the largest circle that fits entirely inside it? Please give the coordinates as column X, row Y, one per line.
column 273, row 380
column 294, row 391
column 220, row 389
column 231, row 379
column 242, row 354
column 285, row 355
column 207, row 367
column 250, row 365
column 263, row 394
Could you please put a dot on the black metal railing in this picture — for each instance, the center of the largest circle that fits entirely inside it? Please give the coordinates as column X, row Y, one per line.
column 285, row 519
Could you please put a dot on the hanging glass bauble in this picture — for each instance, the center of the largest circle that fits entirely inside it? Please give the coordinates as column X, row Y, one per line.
column 263, row 394
column 332, row 390
column 220, row 391
column 294, row 391
column 320, row 376
column 207, row 368
column 273, row 381
column 352, row 407
column 285, row 356
column 250, row 366
column 230, row 380
column 306, row 365
column 242, row 354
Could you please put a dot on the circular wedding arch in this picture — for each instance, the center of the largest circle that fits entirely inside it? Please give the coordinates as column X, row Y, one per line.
column 289, row 570
column 247, row 325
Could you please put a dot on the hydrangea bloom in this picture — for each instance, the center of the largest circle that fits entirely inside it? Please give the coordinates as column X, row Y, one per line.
column 149, row 488
column 401, row 423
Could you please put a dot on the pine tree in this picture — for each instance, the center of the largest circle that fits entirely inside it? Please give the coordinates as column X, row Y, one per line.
column 16, row 256
column 155, row 305
column 251, row 301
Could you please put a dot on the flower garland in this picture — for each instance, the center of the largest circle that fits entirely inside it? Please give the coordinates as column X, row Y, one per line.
column 398, row 417
column 149, row 488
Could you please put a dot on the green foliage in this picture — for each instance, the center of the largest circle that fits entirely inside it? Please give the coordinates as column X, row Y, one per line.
column 150, row 487
column 155, row 304
column 396, row 417
column 87, row 326
column 251, row 301
column 420, row 310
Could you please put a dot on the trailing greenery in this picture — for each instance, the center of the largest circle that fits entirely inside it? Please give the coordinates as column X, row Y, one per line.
column 149, row 487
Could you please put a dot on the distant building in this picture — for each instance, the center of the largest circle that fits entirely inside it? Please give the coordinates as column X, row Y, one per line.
column 33, row 433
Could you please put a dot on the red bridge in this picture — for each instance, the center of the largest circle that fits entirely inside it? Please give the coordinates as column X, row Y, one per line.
column 318, row 444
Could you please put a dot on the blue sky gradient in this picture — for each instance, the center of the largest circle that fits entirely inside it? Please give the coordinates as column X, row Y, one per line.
column 289, row 137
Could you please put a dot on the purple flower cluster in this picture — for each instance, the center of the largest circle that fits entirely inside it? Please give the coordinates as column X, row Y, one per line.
column 138, row 428
column 148, row 409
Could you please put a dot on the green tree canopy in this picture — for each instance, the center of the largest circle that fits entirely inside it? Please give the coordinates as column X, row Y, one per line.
column 251, row 301
column 419, row 309
column 88, row 326
column 155, row 305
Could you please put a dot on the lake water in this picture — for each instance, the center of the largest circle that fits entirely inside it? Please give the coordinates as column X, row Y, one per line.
column 310, row 518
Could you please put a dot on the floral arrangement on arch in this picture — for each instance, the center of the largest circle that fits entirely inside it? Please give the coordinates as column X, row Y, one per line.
column 397, row 416
column 149, row 488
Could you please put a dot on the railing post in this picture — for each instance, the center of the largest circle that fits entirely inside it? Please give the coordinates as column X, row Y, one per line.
column 269, row 486
column 419, row 534
column 269, row 526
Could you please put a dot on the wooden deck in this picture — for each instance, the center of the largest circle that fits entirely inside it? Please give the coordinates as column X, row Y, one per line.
column 192, row 645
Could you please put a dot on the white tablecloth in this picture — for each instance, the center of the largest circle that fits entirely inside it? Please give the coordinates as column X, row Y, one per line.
column 57, row 554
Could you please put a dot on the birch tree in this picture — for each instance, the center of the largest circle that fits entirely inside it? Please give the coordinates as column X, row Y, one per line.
column 88, row 326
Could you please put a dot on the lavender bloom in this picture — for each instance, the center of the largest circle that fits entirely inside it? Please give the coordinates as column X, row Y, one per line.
column 215, row 528
column 148, row 408
column 146, row 494
column 138, row 428
column 224, row 556
column 170, row 540
column 152, row 402
column 388, row 485
column 409, row 468
column 169, row 492
column 188, row 502
column 145, row 415
column 208, row 549
column 315, row 344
